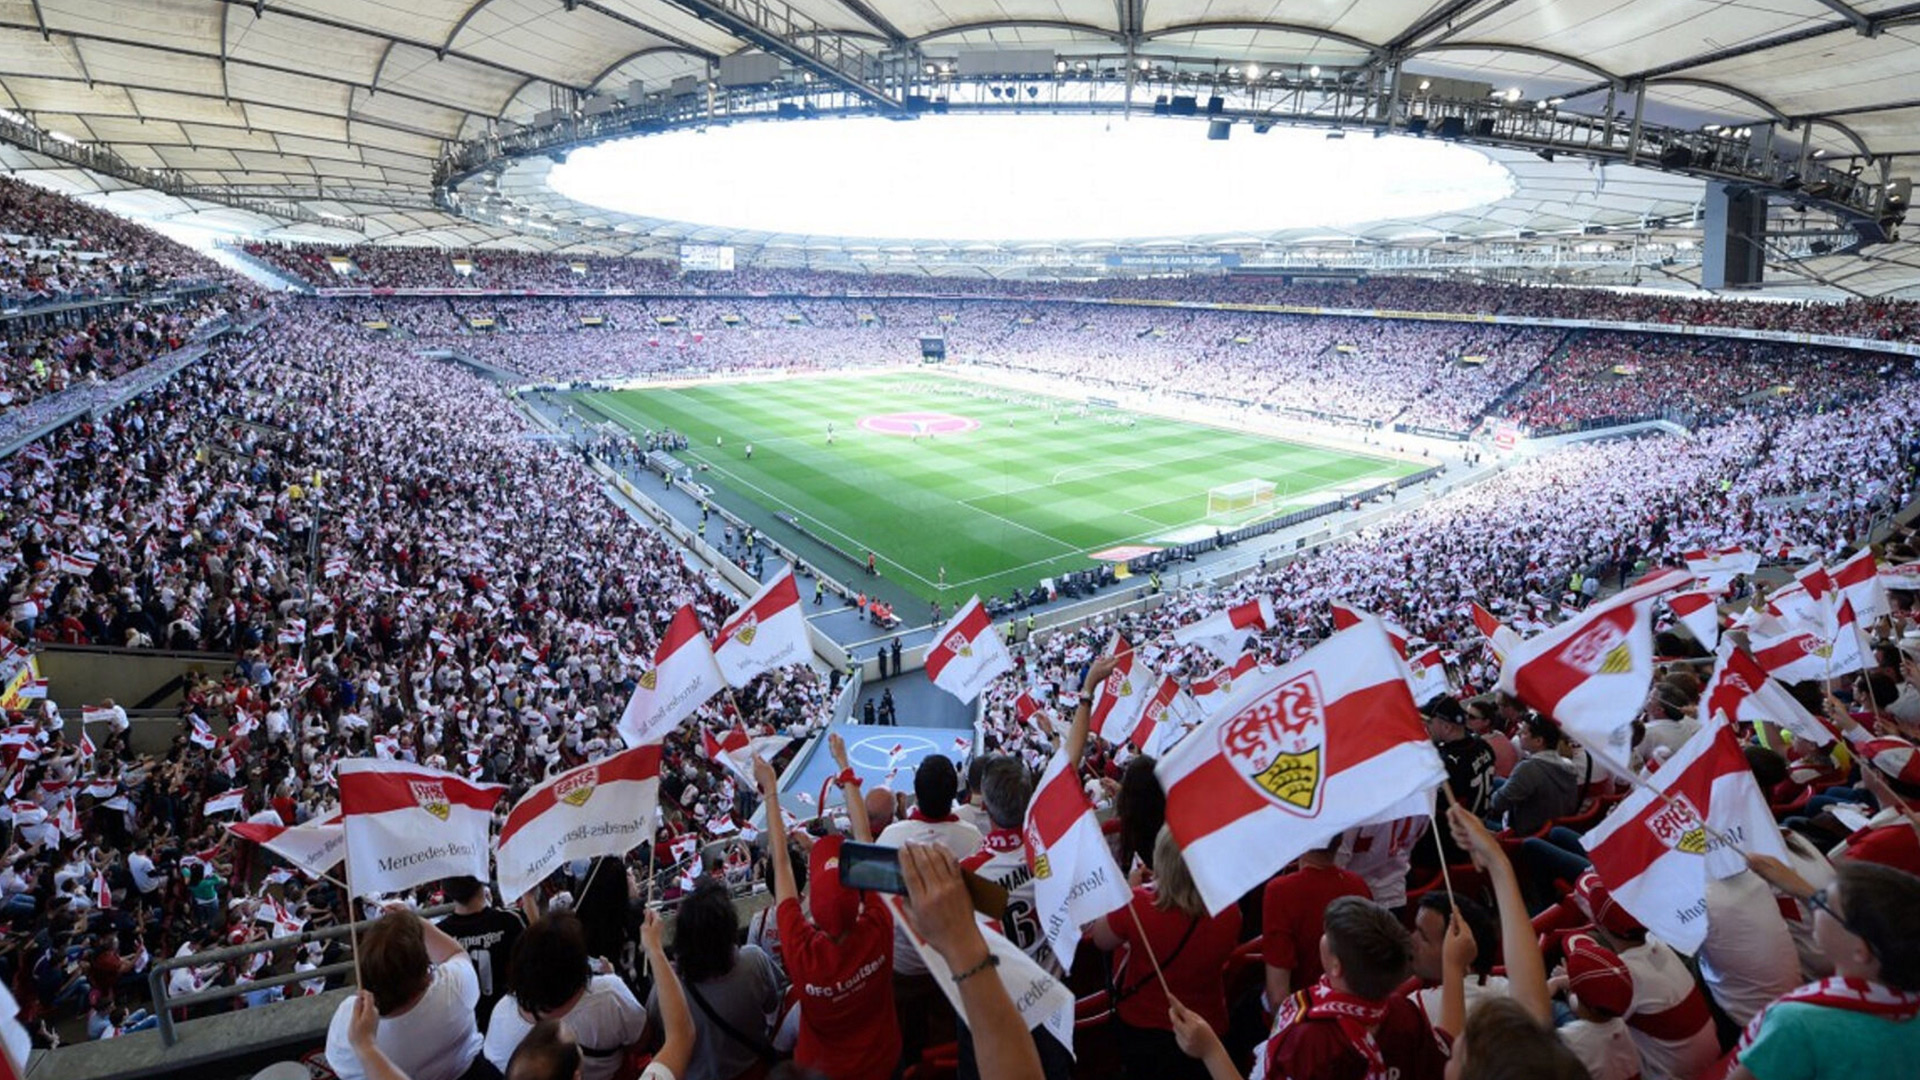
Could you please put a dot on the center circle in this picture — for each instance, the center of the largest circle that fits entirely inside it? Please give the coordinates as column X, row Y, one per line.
column 916, row 424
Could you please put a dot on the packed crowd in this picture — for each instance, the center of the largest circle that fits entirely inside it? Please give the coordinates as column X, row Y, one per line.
column 55, row 249
column 1891, row 320
column 472, row 602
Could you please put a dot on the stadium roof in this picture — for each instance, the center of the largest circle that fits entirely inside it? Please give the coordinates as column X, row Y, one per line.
column 324, row 118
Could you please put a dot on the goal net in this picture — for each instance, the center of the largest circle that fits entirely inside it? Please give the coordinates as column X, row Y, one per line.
column 1241, row 497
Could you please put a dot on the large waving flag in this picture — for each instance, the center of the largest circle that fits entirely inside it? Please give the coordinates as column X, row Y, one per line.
column 1165, row 719
column 1429, row 671
column 1293, row 757
column 1075, row 879
column 1225, row 633
column 604, row 807
column 735, row 750
column 683, row 678
column 1346, row 615
column 1653, row 852
column 1859, row 580
column 1717, row 568
column 1120, row 701
column 966, row 654
column 1740, row 690
column 1501, row 638
column 1592, row 673
column 1213, row 689
column 313, row 848
column 407, row 825
column 769, row 631
column 1697, row 610
column 1793, row 649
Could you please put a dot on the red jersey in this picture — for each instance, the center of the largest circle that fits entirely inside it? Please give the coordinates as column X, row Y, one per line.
column 1192, row 969
column 847, row 1025
column 1411, row 1048
column 1294, row 914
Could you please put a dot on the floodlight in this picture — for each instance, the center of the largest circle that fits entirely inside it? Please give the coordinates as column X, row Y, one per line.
column 1314, row 71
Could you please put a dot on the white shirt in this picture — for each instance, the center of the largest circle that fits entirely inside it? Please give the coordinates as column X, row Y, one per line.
column 956, row 836
column 1661, row 981
column 1380, row 855
column 434, row 1040
column 140, row 865
column 607, row 1017
column 1749, row 957
column 1606, row 1048
column 1429, row 998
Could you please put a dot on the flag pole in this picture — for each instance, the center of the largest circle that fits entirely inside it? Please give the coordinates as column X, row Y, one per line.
column 1446, row 875
column 1146, row 946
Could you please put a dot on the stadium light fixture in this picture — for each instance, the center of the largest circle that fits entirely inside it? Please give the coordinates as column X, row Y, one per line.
column 1253, row 72
column 1313, row 72
column 1513, row 94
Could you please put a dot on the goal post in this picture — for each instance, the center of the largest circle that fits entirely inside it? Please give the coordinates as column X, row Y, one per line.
column 1240, row 497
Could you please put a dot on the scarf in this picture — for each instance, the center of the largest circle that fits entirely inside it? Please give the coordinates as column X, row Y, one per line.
column 1003, row 840
column 915, row 815
column 1355, row 1016
column 1843, row 992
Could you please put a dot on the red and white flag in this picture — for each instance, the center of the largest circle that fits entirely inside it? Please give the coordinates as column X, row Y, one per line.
column 1859, row 580
column 769, row 631
column 1026, row 706
column 34, row 689
column 1121, row 699
column 736, row 750
column 1212, row 690
column 602, row 808
column 202, row 735
column 1429, row 669
column 87, row 749
column 1696, row 610
column 1225, row 633
column 1501, row 638
column 1592, row 673
column 1346, row 615
column 80, row 563
column 1792, row 650
column 1075, row 879
column 1165, row 720
column 1656, row 853
column 1717, row 568
column 227, row 802
column 408, row 824
column 15, row 1042
column 102, row 893
column 682, row 679
column 966, row 654
column 1295, row 756
column 314, row 848
column 1905, row 577
column 1740, row 690
column 1041, row 999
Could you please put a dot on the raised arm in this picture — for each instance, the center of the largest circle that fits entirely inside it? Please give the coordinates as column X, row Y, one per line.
column 1083, row 711
column 783, row 887
column 1526, row 968
column 675, row 1019
column 850, row 790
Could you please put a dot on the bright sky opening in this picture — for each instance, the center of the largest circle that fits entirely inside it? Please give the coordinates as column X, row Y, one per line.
column 1032, row 177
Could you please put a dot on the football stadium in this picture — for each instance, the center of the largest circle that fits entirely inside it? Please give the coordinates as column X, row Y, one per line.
column 873, row 540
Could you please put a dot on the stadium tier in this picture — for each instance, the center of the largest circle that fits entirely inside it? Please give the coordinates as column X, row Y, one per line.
column 449, row 639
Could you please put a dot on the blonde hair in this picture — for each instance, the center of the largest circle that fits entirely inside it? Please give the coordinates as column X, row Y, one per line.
column 1173, row 886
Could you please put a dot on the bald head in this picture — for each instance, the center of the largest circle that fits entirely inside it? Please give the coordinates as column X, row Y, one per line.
column 879, row 809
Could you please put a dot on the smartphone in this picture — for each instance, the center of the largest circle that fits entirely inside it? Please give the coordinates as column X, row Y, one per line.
column 876, row 868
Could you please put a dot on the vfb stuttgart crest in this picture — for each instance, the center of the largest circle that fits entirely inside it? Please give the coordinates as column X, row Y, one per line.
column 1119, row 684
column 432, row 797
column 1037, row 855
column 1679, row 826
column 575, row 790
column 1600, row 649
column 1279, row 744
column 958, row 644
column 651, row 679
column 744, row 634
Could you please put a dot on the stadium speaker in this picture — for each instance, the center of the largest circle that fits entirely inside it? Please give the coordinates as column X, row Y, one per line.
column 918, row 103
column 1676, row 157
column 1160, row 105
column 787, row 110
column 1417, row 126
column 1219, row 130
column 1184, row 105
column 1483, row 127
column 1733, row 237
column 1216, row 105
column 1452, row 127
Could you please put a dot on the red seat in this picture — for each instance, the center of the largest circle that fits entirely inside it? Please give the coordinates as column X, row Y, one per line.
column 936, row 1063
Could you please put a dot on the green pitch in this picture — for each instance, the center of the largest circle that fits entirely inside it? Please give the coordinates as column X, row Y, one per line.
column 1034, row 490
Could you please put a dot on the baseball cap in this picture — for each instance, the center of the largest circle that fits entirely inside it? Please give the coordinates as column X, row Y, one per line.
column 1598, row 975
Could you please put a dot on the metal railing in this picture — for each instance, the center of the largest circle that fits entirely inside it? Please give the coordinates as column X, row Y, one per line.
column 163, row 1006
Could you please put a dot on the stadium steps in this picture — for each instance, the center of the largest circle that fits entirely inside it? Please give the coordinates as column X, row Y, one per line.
column 135, row 678
column 1531, row 375
column 229, row 1044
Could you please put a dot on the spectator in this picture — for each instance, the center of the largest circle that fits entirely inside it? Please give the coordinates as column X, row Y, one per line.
column 424, row 991
column 735, row 991
column 487, row 933
column 552, row 977
column 1292, row 908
